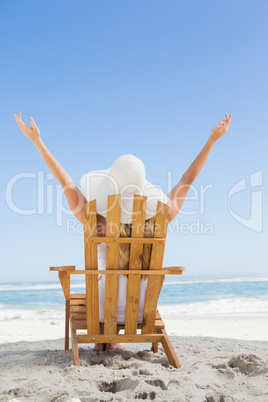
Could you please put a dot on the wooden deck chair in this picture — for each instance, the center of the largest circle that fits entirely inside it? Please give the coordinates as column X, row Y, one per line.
column 82, row 310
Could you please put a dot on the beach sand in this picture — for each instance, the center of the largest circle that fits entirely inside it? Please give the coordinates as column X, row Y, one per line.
column 221, row 363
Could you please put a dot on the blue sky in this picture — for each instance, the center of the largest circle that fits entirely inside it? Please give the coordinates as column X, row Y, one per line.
column 150, row 78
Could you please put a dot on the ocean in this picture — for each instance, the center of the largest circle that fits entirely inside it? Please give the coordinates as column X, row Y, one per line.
column 180, row 296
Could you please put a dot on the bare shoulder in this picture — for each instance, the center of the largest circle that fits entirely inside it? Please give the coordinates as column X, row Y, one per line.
column 101, row 225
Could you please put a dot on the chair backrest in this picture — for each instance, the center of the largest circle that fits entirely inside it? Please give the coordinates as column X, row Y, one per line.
column 136, row 241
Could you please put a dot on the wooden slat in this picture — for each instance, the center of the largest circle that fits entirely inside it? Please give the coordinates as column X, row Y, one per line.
column 91, row 262
column 81, row 323
column 125, row 240
column 112, row 260
column 135, row 263
column 64, row 278
column 78, row 309
column 119, row 338
column 175, row 271
column 159, row 324
column 78, row 302
column 78, row 313
column 63, row 268
column 78, row 296
column 158, row 316
column 155, row 282
column 78, row 317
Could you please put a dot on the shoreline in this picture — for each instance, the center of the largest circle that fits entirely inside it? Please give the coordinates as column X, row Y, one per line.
column 247, row 328
column 234, row 327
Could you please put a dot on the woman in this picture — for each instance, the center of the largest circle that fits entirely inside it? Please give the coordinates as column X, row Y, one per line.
column 93, row 187
column 126, row 176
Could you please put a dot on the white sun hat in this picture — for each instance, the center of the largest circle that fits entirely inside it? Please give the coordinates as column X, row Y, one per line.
column 126, row 176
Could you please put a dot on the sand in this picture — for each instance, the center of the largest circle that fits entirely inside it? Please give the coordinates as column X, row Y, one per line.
column 34, row 366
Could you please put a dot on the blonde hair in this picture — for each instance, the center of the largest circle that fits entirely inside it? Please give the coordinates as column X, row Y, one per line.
column 124, row 250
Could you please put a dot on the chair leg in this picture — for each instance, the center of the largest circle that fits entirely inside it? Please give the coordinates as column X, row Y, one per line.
column 75, row 349
column 155, row 344
column 67, row 323
column 169, row 350
column 155, row 347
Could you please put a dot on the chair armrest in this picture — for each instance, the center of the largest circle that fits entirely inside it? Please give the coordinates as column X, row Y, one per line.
column 63, row 268
column 163, row 272
column 177, row 269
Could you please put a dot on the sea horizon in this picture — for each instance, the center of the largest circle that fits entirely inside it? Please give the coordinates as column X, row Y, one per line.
column 202, row 295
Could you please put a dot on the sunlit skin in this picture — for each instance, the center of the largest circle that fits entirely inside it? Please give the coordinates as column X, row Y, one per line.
column 76, row 199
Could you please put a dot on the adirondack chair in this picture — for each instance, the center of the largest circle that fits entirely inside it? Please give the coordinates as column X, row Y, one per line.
column 82, row 310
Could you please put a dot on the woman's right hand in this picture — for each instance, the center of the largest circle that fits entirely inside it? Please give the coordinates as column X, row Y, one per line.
column 32, row 133
column 220, row 129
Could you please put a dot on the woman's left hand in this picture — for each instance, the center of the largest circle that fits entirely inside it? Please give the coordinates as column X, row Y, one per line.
column 220, row 129
column 32, row 133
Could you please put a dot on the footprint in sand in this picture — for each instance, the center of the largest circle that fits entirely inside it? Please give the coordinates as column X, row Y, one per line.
column 157, row 383
column 248, row 364
column 144, row 372
column 118, row 385
column 145, row 396
column 225, row 370
column 218, row 397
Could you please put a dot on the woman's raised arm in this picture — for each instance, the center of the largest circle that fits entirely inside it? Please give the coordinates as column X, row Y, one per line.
column 74, row 196
column 179, row 192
